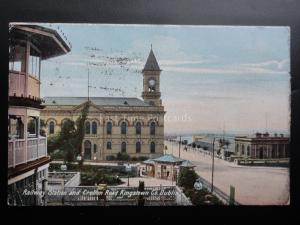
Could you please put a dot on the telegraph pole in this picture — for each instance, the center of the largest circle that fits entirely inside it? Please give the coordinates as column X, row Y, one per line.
column 88, row 84
column 213, row 165
column 179, row 145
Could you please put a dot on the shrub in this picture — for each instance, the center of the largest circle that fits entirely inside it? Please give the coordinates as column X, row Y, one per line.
column 187, row 178
column 57, row 154
column 142, row 158
column 98, row 177
column 134, row 158
column 110, row 157
column 123, row 156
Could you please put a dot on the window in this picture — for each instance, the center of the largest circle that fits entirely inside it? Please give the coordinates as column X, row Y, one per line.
column 237, row 147
column 138, row 128
column 34, row 62
column 123, row 127
column 152, row 128
column 108, row 127
column 15, row 127
column 108, row 145
column 32, row 126
column 87, row 150
column 248, row 150
column 17, row 58
column 95, row 148
column 138, row 147
column 274, row 148
column 51, row 127
column 123, row 147
column 87, row 127
column 280, row 151
column 152, row 147
column 94, row 128
column 243, row 149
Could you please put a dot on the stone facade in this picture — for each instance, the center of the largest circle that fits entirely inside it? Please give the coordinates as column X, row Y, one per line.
column 128, row 114
column 262, row 146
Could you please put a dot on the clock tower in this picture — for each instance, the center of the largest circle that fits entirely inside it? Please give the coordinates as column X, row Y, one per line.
column 151, row 81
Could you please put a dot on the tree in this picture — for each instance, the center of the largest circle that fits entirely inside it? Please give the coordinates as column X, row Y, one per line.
column 69, row 140
column 187, row 178
column 42, row 128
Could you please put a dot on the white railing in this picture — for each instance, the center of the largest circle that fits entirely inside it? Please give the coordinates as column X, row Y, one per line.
column 36, row 148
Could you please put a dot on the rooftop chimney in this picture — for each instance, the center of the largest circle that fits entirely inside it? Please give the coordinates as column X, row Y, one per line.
column 258, row 135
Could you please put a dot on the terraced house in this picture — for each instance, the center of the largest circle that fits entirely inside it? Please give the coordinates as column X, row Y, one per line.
column 115, row 124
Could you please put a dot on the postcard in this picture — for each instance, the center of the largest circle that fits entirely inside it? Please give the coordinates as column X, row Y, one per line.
column 148, row 115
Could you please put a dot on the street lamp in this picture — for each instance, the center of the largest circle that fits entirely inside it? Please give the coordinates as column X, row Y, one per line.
column 213, row 165
column 166, row 148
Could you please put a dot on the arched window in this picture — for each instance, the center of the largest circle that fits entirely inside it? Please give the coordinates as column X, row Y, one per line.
column 108, row 127
column 62, row 122
column 51, row 127
column 87, row 150
column 152, row 147
column 87, row 127
column 108, row 145
column 123, row 127
column 138, row 128
column 94, row 128
column 138, row 147
column 152, row 128
column 95, row 148
column 123, row 147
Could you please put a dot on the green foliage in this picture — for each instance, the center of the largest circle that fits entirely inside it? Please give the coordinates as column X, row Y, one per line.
column 57, row 154
column 52, row 143
column 42, row 127
column 187, row 178
column 123, row 156
column 142, row 158
column 110, row 157
column 202, row 197
column 69, row 140
column 93, row 177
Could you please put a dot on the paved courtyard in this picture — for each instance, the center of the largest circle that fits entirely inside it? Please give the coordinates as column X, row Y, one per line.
column 253, row 185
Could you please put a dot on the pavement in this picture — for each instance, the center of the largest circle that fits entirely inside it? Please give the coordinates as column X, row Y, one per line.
column 253, row 185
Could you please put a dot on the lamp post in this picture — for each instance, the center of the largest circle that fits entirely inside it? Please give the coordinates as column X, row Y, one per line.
column 213, row 165
column 179, row 145
column 79, row 159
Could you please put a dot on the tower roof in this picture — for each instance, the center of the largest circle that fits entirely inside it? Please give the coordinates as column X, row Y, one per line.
column 151, row 63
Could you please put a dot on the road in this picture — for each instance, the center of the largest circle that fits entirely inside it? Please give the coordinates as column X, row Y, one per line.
column 253, row 185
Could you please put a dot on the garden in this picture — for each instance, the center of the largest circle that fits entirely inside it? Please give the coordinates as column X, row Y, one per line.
column 186, row 180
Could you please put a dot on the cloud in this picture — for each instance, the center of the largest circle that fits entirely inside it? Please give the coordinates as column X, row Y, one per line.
column 266, row 67
column 271, row 64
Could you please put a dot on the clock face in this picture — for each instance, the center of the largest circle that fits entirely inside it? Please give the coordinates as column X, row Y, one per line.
column 151, row 83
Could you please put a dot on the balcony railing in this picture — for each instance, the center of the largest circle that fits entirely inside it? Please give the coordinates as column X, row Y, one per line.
column 17, row 85
column 36, row 148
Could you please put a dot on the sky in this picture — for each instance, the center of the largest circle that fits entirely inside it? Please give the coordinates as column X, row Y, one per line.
column 213, row 77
